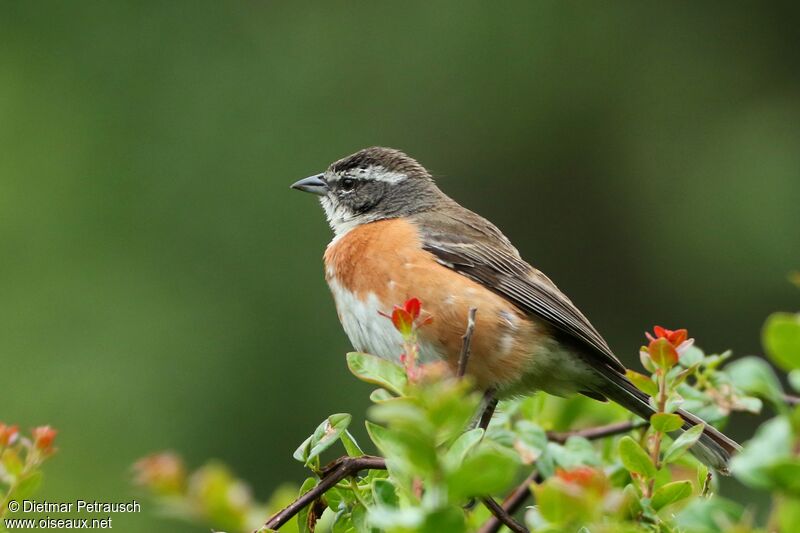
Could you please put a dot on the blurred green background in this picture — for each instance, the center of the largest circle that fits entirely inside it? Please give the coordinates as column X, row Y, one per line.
column 161, row 287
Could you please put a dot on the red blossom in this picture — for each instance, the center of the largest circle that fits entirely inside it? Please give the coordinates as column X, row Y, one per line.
column 43, row 437
column 8, row 434
column 413, row 306
column 163, row 472
column 666, row 346
column 407, row 318
column 402, row 320
column 583, row 476
column 674, row 337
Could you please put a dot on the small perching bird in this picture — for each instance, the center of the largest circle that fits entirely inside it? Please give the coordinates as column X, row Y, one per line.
column 397, row 235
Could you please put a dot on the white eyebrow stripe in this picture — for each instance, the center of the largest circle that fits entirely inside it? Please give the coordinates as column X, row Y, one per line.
column 376, row 173
column 381, row 174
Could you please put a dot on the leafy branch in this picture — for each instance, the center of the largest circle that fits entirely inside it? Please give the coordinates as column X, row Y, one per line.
column 341, row 468
column 612, row 474
column 345, row 466
column 21, row 458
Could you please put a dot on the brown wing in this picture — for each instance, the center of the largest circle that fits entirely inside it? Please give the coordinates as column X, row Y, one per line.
column 472, row 246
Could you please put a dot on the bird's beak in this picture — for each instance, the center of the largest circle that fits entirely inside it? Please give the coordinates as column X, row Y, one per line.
column 313, row 184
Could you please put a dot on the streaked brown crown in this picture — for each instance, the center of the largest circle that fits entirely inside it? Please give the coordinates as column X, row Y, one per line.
column 390, row 159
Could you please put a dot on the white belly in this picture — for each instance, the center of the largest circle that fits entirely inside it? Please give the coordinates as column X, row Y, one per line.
column 370, row 331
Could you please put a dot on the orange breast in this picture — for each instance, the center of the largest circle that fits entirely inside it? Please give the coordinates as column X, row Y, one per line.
column 385, row 261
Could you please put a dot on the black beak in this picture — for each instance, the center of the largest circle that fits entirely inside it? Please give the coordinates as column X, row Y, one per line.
column 313, row 184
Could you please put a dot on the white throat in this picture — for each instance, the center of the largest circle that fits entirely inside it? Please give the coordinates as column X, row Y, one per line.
column 340, row 219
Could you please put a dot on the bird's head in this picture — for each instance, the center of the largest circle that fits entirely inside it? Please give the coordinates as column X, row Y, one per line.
column 372, row 184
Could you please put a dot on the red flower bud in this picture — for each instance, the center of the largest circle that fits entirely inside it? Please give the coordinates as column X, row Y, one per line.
column 43, row 437
column 8, row 434
column 584, row 476
column 675, row 338
column 413, row 306
column 161, row 472
column 407, row 318
column 402, row 320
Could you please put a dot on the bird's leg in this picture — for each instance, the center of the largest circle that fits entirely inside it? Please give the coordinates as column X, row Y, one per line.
column 484, row 416
column 490, row 403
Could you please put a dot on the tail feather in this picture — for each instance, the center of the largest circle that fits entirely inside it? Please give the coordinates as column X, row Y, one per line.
column 713, row 448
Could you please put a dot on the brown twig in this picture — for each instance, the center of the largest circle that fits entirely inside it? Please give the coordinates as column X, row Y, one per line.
column 502, row 515
column 791, row 400
column 466, row 342
column 333, row 474
column 348, row 466
column 512, row 503
column 596, row 432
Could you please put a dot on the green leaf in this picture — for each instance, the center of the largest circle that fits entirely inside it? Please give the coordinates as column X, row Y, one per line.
column 687, row 439
column 674, row 402
column 703, row 479
column 666, row 422
column 388, row 519
column 336, row 498
column 12, row 462
column 642, row 382
column 577, row 451
column 343, row 523
column 781, row 339
column 384, row 493
column 705, row 515
column 633, row 501
column 647, row 362
column 489, row 470
column 359, row 517
column 530, row 441
column 755, row 376
column 381, row 395
column 671, row 493
column 302, row 516
column 350, row 445
column 794, row 379
column 28, row 485
column 681, row 376
column 663, row 353
column 461, row 447
column 301, row 453
column 326, row 434
column 401, row 412
column 378, row 371
column 404, row 450
column 785, row 476
column 691, row 356
column 788, row 514
column 448, row 519
column 635, row 458
column 382, row 438
column 772, row 443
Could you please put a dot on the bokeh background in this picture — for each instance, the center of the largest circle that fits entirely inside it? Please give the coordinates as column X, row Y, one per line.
column 161, row 287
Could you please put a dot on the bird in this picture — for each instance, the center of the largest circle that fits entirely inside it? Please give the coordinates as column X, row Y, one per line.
column 398, row 235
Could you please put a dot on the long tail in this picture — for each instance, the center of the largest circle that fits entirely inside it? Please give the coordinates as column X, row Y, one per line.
column 713, row 448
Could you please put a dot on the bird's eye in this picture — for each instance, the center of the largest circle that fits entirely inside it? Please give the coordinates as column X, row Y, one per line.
column 347, row 184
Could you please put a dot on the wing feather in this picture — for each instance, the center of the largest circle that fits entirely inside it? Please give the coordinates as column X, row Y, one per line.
column 472, row 246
